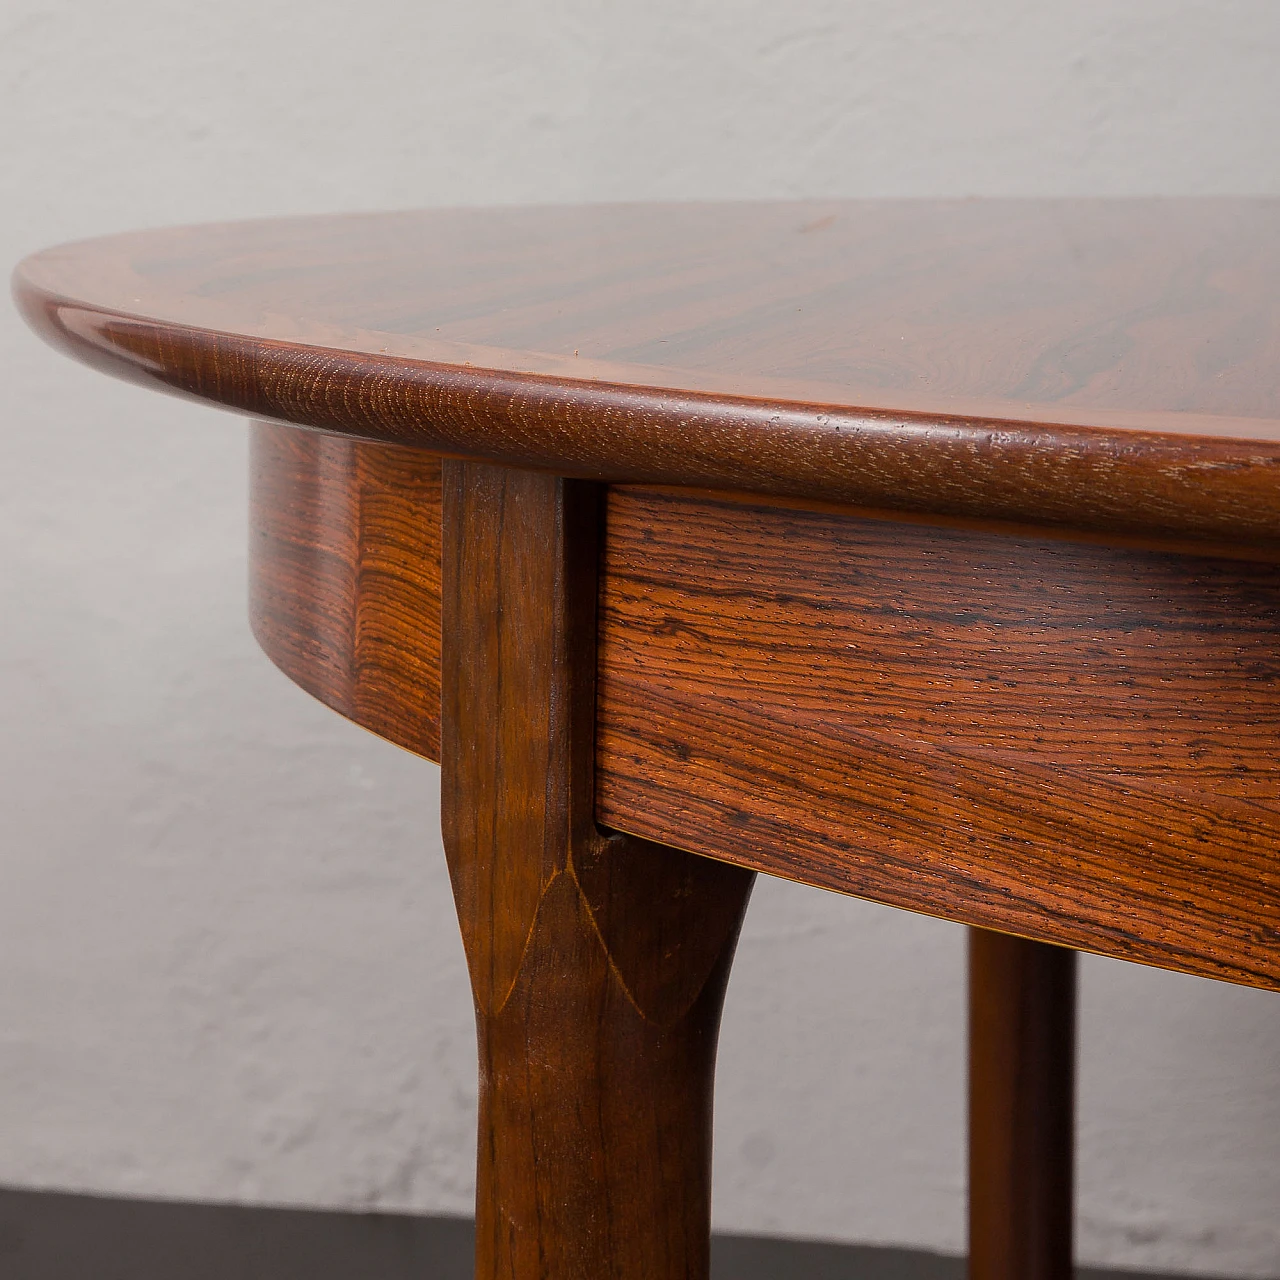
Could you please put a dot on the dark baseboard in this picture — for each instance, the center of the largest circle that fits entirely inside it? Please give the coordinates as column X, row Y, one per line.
column 54, row 1236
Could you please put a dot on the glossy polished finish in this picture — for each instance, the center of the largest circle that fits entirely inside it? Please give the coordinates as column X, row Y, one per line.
column 926, row 551
column 344, row 577
column 1094, row 364
column 1065, row 740
column 1050, row 737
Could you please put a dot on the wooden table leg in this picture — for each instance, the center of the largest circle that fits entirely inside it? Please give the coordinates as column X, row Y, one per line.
column 598, row 963
column 1022, row 999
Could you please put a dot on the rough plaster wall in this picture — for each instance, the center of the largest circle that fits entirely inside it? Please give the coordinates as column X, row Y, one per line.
column 228, row 964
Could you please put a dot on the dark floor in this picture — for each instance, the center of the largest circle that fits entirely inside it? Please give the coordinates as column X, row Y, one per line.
column 52, row 1236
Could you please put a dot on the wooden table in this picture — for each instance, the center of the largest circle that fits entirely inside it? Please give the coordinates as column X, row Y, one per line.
column 923, row 551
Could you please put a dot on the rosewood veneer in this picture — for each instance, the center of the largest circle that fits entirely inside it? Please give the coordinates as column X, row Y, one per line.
column 923, row 551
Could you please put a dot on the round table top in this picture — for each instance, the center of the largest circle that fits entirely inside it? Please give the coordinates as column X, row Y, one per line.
column 1098, row 364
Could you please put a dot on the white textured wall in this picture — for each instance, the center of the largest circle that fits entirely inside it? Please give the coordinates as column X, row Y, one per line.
column 228, row 965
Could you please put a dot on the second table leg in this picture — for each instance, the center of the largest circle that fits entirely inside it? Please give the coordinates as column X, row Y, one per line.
column 1022, row 1011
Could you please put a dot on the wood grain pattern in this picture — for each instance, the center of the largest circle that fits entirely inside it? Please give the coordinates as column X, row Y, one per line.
column 598, row 964
column 345, row 576
column 1070, row 742
column 1065, row 740
column 939, row 693
column 1111, row 365
column 1024, row 675
column 1022, row 1016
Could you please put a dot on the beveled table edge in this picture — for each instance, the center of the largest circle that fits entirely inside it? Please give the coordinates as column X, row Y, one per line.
column 1220, row 488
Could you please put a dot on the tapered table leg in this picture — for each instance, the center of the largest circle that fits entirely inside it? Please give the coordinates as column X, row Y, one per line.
column 1022, row 998
column 598, row 964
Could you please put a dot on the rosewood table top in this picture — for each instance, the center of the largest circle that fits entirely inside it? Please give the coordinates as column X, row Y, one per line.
column 1103, row 364
column 927, row 551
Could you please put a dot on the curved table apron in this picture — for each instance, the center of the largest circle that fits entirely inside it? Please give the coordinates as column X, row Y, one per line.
column 927, row 552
